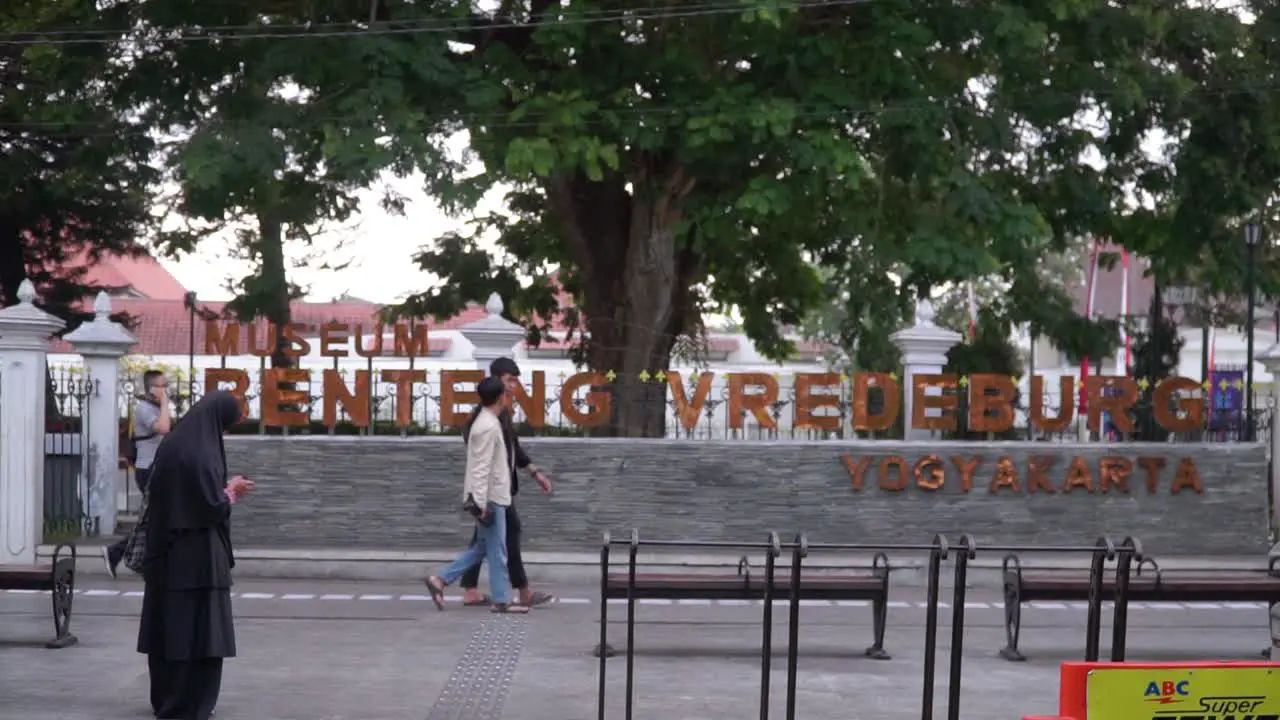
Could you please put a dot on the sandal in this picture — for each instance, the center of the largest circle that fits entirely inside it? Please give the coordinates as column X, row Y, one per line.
column 541, row 598
column 509, row 609
column 482, row 600
column 437, row 592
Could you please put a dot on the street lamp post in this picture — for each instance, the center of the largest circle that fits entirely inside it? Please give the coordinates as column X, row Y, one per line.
column 1251, row 233
column 190, row 301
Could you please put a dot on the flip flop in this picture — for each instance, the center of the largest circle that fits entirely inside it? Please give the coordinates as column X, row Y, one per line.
column 437, row 593
column 483, row 600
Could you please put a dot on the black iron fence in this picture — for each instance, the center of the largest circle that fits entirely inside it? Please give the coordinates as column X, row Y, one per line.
column 567, row 406
column 1117, row 572
column 67, row 457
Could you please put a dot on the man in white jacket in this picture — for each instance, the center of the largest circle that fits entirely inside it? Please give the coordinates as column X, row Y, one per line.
column 486, row 493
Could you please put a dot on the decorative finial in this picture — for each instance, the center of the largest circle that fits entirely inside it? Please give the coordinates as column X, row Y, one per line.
column 924, row 313
column 494, row 305
column 102, row 306
column 26, row 292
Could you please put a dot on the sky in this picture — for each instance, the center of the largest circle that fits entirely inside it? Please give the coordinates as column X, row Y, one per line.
column 377, row 246
column 380, row 247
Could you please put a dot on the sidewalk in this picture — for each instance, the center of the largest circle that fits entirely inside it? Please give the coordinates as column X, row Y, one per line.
column 376, row 658
column 909, row 568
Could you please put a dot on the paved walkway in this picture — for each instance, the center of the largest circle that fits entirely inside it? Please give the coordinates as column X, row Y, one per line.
column 370, row 592
column 341, row 651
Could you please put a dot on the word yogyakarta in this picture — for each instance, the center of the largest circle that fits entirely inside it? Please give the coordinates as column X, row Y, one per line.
column 1047, row 474
column 817, row 398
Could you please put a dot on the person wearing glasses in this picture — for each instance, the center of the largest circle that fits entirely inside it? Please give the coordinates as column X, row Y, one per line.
column 151, row 422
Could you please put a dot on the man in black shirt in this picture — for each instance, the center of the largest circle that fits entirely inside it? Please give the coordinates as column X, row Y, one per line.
column 506, row 370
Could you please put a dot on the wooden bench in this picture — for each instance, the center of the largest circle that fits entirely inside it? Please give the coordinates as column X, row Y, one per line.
column 869, row 584
column 58, row 578
column 1149, row 583
column 1146, row 583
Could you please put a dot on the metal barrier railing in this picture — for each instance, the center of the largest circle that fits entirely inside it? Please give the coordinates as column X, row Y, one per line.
column 772, row 549
column 1102, row 552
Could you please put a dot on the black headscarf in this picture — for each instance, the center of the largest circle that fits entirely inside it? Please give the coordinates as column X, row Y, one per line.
column 190, row 470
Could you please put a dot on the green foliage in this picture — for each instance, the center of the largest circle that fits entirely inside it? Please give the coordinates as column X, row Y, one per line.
column 771, row 159
column 989, row 351
column 666, row 167
column 278, row 138
column 74, row 178
column 1156, row 353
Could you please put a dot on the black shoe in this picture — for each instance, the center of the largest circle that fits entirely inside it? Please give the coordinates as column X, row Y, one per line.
column 111, row 560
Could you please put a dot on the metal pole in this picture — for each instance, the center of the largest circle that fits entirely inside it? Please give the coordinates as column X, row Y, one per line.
column 1204, row 350
column 1252, row 239
column 191, row 348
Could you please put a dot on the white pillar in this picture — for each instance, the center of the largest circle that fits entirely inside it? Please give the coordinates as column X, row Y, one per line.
column 924, row 348
column 24, row 345
column 102, row 343
column 1270, row 359
column 492, row 337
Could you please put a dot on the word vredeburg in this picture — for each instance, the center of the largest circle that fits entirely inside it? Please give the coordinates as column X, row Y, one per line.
column 585, row 399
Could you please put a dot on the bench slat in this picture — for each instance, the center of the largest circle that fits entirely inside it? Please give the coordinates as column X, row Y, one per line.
column 707, row 586
column 26, row 577
column 1205, row 586
column 19, row 569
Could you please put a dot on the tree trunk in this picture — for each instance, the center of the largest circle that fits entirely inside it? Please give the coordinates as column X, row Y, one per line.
column 277, row 307
column 636, row 284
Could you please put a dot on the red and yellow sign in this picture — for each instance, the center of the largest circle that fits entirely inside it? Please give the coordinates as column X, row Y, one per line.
column 1173, row 694
column 1170, row 691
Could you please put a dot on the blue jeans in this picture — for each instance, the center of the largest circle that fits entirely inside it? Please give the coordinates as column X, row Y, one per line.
column 490, row 545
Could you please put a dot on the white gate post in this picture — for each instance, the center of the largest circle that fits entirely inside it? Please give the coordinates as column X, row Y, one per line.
column 24, row 345
column 492, row 337
column 102, row 343
column 1270, row 359
column 924, row 349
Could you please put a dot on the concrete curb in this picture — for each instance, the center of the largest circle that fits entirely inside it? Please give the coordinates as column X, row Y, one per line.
column 909, row 568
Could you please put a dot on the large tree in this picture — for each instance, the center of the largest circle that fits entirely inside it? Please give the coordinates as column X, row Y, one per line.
column 74, row 178
column 274, row 138
column 664, row 162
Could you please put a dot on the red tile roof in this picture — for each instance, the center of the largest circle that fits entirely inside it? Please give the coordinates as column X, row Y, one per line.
column 715, row 344
column 142, row 274
column 162, row 323
column 163, row 327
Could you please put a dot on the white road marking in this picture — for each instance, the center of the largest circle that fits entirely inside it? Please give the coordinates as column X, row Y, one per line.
column 997, row 605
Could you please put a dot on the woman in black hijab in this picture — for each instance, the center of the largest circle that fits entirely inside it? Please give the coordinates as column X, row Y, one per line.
column 186, row 627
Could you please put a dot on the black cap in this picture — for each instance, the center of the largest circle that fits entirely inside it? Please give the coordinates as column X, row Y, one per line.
column 490, row 390
column 504, row 366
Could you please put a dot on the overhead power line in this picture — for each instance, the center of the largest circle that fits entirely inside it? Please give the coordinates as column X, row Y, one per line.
column 422, row 26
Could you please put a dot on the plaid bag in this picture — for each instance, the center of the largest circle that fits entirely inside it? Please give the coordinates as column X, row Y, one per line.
column 135, row 546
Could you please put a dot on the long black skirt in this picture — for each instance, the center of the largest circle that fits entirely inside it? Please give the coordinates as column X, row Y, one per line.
column 184, row 690
column 185, row 635
column 187, row 624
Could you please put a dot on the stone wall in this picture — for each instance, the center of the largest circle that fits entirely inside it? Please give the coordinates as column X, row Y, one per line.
column 394, row 493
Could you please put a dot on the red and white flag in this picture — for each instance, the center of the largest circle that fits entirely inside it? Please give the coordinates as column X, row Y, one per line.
column 1124, row 314
column 1091, row 285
